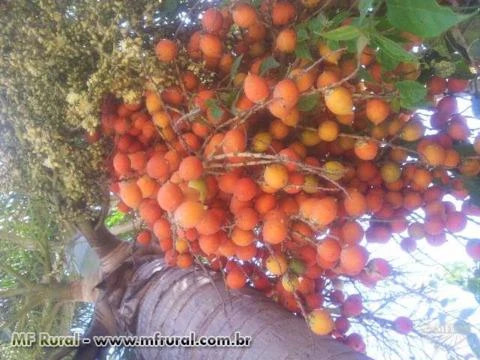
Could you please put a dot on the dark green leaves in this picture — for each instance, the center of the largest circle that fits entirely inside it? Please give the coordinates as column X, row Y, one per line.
column 302, row 32
column 235, row 66
column 331, row 31
column 213, row 106
column 268, row 64
column 411, row 93
column 363, row 7
column 308, row 102
column 473, row 285
column 472, row 184
column 362, row 73
column 347, row 32
column 169, row 6
column 424, row 18
column 360, row 44
column 395, row 104
column 464, row 149
column 338, row 19
column 303, row 51
column 390, row 53
column 333, row 44
column 317, row 24
column 474, row 49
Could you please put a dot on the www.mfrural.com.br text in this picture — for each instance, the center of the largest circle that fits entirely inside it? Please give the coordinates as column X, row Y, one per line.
column 44, row 339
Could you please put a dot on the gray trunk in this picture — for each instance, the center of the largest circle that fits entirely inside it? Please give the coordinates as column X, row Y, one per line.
column 141, row 296
column 176, row 302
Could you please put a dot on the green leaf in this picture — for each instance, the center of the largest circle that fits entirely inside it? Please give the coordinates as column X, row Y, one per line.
column 351, row 46
column 425, row 18
column 308, row 102
column 302, row 32
column 473, row 285
column 411, row 93
column 317, row 24
column 115, row 218
column 226, row 98
column 213, row 106
column 462, row 69
column 363, row 7
column 235, row 66
column 303, row 51
column 437, row 46
column 169, row 6
column 232, row 101
column 395, row 104
column 361, row 43
column 382, row 24
column 474, row 49
column 464, row 149
column 388, row 62
column 364, row 74
column 333, row 44
column 338, row 19
column 297, row 266
column 391, row 53
column 472, row 184
column 393, row 49
column 268, row 64
column 347, row 32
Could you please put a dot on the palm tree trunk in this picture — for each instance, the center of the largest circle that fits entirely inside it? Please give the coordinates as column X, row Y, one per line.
column 83, row 290
column 176, row 302
column 99, row 238
column 143, row 296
